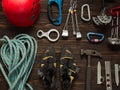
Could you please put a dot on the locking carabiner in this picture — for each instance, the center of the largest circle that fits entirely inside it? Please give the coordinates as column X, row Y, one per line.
column 58, row 3
column 95, row 40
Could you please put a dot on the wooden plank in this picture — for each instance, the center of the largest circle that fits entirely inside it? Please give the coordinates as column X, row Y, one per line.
column 43, row 23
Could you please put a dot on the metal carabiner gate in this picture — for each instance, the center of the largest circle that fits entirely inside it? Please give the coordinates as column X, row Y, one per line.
column 82, row 12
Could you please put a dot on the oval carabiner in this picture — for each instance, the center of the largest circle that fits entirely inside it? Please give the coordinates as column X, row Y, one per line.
column 95, row 40
column 58, row 3
column 88, row 11
column 82, row 12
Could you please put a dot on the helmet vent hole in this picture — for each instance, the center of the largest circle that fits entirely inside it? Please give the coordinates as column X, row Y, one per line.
column 33, row 3
column 32, row 9
column 32, row 17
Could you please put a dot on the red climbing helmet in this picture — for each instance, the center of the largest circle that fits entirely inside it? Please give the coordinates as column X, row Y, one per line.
column 21, row 13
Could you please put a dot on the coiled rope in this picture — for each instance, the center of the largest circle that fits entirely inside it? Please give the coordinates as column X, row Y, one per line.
column 18, row 55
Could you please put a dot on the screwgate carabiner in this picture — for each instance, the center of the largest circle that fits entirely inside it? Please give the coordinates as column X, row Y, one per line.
column 58, row 3
column 96, row 40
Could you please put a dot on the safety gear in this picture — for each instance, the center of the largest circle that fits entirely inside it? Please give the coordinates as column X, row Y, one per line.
column 48, row 68
column 21, row 13
column 68, row 68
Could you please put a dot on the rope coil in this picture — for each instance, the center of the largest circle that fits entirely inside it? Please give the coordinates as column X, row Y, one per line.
column 18, row 55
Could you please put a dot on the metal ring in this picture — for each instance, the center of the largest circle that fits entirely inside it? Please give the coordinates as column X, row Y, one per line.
column 51, row 31
column 41, row 34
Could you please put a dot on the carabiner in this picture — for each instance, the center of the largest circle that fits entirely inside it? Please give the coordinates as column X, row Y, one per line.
column 95, row 40
column 82, row 12
column 58, row 3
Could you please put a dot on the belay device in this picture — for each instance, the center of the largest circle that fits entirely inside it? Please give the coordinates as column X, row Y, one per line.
column 58, row 3
column 21, row 12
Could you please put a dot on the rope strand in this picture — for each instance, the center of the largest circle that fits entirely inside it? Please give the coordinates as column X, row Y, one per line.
column 18, row 55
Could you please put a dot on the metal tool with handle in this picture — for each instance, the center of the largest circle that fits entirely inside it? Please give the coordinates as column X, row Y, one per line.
column 89, row 53
column 59, row 4
column 88, row 73
column 95, row 40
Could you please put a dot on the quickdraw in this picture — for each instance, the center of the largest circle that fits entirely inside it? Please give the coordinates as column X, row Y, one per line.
column 95, row 40
column 73, row 13
column 58, row 3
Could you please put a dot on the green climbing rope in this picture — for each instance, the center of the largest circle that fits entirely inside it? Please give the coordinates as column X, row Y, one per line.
column 18, row 55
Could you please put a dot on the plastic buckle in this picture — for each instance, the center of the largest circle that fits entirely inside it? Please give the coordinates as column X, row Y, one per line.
column 58, row 3
column 95, row 40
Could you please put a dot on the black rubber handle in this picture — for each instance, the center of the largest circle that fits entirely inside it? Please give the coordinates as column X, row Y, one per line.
column 88, row 79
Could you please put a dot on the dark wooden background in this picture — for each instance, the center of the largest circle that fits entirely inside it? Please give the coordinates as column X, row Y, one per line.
column 108, row 53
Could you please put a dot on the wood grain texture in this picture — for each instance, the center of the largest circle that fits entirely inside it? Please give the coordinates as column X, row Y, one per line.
column 108, row 53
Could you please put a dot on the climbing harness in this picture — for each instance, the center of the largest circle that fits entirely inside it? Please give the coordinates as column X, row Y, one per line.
column 103, row 18
column 59, row 5
column 47, row 70
column 73, row 13
column 22, row 13
column 114, row 39
column 41, row 34
column 95, row 40
column 88, row 11
column 68, row 68
column 18, row 56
